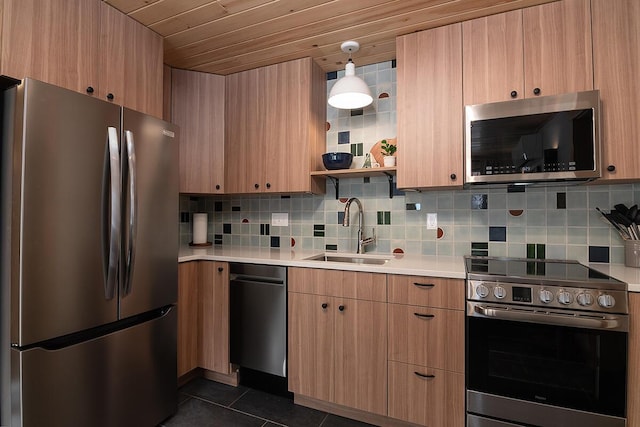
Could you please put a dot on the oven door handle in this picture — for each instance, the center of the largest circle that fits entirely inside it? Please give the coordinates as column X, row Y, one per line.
column 588, row 321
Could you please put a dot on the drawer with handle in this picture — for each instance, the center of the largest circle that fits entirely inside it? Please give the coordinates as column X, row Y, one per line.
column 426, row 291
column 422, row 336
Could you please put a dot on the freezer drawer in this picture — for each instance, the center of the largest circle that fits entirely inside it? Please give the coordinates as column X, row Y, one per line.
column 126, row 378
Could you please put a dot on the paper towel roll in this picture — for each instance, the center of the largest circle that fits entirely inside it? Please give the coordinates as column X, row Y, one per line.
column 199, row 228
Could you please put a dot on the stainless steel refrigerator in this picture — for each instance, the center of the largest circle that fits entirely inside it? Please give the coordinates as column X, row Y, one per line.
column 89, row 261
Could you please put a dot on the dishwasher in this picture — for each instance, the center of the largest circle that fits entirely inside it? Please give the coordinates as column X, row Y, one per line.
column 258, row 317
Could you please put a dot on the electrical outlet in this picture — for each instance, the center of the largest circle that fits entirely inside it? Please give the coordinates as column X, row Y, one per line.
column 432, row 221
column 280, row 219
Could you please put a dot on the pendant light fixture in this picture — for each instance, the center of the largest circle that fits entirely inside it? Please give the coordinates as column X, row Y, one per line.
column 350, row 92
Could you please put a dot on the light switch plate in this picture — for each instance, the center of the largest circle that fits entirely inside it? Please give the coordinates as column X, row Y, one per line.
column 280, row 219
column 432, row 221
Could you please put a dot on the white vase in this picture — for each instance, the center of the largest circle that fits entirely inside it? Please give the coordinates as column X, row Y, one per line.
column 389, row 161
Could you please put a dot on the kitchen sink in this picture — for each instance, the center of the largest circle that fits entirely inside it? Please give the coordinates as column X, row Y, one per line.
column 351, row 258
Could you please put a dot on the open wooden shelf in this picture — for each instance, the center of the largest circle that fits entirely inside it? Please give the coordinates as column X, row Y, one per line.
column 356, row 173
column 335, row 175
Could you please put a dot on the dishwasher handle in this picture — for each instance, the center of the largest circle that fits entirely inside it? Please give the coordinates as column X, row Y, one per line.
column 256, row 280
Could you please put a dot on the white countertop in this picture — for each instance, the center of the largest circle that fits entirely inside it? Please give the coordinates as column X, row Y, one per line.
column 629, row 275
column 418, row 265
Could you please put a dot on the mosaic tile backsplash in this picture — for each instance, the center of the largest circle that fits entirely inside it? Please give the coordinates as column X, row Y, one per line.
column 559, row 222
column 551, row 222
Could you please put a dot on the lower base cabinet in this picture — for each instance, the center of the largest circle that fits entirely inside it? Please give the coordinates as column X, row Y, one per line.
column 188, row 279
column 203, row 317
column 389, row 346
column 213, row 317
column 337, row 345
column 426, row 396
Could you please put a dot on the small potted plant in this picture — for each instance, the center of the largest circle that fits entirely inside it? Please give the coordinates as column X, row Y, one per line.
column 388, row 151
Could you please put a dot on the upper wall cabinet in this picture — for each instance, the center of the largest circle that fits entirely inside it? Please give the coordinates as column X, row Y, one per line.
column 198, row 108
column 51, row 41
column 616, row 57
column 429, row 111
column 131, row 66
column 537, row 51
column 86, row 46
column 275, row 128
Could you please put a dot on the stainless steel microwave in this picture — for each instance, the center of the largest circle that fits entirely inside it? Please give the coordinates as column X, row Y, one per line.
column 542, row 139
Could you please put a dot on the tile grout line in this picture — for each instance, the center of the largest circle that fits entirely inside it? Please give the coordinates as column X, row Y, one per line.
column 324, row 419
column 240, row 397
column 237, row 410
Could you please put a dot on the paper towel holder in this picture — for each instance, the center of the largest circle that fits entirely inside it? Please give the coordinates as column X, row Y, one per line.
column 200, row 221
column 200, row 244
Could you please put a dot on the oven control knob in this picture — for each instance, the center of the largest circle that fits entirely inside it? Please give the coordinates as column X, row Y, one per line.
column 565, row 297
column 584, row 299
column 606, row 301
column 546, row 296
column 499, row 292
column 482, row 291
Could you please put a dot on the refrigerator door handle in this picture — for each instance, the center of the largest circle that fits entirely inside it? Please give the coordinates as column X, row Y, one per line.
column 133, row 212
column 115, row 190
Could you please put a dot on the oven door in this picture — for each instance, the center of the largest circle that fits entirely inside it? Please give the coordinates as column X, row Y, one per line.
column 523, row 364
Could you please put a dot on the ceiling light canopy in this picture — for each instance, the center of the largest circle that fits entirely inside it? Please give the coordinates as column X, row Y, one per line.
column 350, row 92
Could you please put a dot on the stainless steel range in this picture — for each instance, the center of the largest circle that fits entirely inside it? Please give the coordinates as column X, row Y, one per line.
column 546, row 344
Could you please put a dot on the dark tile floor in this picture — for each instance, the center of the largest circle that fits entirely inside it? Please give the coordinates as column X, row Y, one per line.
column 204, row 403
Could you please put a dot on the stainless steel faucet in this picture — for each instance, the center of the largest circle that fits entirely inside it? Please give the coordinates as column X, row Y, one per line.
column 362, row 242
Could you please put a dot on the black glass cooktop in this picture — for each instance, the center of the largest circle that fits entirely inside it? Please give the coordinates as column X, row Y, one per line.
column 528, row 270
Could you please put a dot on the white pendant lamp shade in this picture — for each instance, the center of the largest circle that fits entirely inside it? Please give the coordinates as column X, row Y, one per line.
column 350, row 92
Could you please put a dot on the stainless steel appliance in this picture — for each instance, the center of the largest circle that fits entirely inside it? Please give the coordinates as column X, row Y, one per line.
column 89, row 261
column 550, row 138
column 546, row 344
column 258, row 300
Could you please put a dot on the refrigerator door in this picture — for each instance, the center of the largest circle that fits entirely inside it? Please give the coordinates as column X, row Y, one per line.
column 150, row 239
column 126, row 378
column 64, row 226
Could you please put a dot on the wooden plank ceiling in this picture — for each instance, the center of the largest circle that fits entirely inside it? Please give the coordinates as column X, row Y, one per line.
column 227, row 36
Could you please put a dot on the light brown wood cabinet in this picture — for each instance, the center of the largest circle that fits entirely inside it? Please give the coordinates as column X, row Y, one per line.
column 426, row 396
column 536, row 51
column 633, row 357
column 616, row 57
column 134, row 58
column 203, row 316
column 213, row 315
column 429, row 109
column 188, row 277
column 275, row 128
column 198, row 108
column 426, row 350
column 337, row 345
column 54, row 41
column 86, row 46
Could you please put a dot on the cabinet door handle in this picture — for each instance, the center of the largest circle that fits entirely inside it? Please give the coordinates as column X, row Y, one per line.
column 256, row 186
column 217, row 186
column 423, row 375
column 341, row 307
column 89, row 89
column 536, row 91
column 220, row 269
column 453, row 176
column 324, row 305
column 424, row 316
column 514, row 94
column 110, row 96
column 268, row 185
column 611, row 168
column 424, row 285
